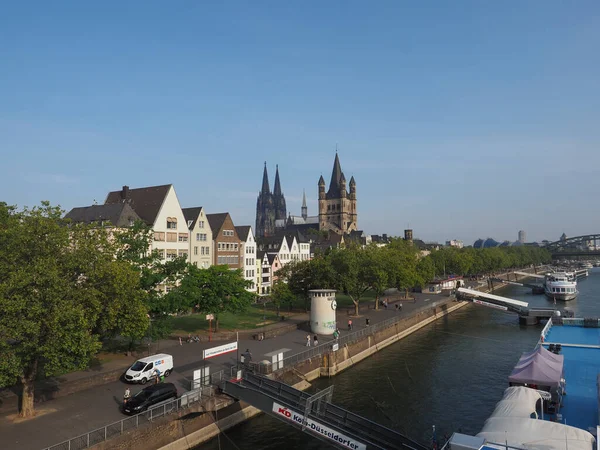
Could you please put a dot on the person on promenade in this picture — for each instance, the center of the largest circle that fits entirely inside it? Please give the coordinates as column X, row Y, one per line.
column 397, row 307
column 157, row 375
column 400, row 306
column 308, row 340
column 126, row 396
column 336, row 334
column 349, row 324
column 316, row 340
column 368, row 321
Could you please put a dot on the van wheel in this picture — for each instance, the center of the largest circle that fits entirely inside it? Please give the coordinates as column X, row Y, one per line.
column 143, row 381
column 167, row 373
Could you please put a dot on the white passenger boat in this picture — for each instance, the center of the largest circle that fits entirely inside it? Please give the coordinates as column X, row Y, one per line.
column 561, row 286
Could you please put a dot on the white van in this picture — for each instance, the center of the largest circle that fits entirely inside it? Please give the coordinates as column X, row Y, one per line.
column 147, row 368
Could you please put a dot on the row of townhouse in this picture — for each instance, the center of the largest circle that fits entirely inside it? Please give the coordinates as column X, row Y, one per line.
column 203, row 239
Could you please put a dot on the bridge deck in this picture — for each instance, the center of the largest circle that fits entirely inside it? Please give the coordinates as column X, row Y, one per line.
column 533, row 275
column 497, row 298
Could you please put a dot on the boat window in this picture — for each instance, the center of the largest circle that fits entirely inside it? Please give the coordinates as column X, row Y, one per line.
column 562, row 289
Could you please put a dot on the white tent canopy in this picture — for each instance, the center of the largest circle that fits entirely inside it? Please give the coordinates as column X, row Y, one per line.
column 535, row 434
column 518, row 401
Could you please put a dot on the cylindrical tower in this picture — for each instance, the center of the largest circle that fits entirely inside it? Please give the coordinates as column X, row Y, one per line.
column 322, row 311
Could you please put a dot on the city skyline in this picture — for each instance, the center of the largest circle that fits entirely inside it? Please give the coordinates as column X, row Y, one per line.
column 460, row 121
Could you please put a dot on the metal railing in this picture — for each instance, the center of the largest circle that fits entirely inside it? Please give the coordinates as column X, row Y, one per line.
column 349, row 338
column 546, row 330
column 114, row 429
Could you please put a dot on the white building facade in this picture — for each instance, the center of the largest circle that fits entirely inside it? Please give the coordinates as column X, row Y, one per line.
column 200, row 240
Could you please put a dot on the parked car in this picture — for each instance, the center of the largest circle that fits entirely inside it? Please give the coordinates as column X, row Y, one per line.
column 146, row 368
column 149, row 396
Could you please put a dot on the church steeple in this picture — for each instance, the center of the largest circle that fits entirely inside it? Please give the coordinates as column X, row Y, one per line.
column 277, row 188
column 265, row 183
column 304, row 207
column 336, row 178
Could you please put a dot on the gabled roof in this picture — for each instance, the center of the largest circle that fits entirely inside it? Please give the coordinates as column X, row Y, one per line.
column 216, row 221
column 119, row 214
column 192, row 214
column 146, row 202
column 335, row 185
column 272, row 257
column 243, row 231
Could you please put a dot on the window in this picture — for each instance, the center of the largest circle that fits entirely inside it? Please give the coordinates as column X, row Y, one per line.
column 235, row 246
column 207, row 250
column 202, row 251
column 196, row 250
column 171, row 254
column 183, row 253
column 171, row 237
column 158, row 236
column 220, row 246
column 171, row 223
column 198, row 237
column 201, row 224
column 183, row 237
column 161, row 254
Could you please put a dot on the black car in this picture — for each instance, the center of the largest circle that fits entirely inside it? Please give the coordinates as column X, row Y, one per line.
column 149, row 396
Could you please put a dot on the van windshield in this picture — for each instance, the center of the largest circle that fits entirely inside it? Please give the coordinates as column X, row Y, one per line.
column 138, row 366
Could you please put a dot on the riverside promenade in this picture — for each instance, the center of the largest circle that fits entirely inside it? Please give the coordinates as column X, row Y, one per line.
column 72, row 415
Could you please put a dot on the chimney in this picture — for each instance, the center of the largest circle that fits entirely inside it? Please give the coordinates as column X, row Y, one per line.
column 125, row 193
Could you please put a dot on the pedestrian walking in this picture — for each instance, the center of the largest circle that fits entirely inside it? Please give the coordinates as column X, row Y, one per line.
column 397, row 305
column 308, row 340
column 316, row 340
column 400, row 306
column 336, row 334
column 180, row 343
column 349, row 324
column 126, row 396
column 368, row 321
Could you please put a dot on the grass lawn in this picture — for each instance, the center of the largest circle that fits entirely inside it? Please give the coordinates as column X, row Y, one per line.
column 253, row 318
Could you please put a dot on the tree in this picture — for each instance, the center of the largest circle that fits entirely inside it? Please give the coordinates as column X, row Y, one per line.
column 219, row 290
column 132, row 246
column 350, row 276
column 302, row 276
column 378, row 270
column 57, row 285
column 282, row 295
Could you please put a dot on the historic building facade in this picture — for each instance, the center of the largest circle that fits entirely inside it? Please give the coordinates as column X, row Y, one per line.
column 337, row 206
column 270, row 206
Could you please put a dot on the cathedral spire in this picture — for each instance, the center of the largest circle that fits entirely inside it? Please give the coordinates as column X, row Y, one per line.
column 277, row 188
column 265, row 183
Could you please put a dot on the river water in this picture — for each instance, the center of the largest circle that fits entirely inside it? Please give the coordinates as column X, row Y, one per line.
column 449, row 374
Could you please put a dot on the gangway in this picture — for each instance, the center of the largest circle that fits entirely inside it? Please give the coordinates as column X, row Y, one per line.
column 494, row 301
column 315, row 414
column 535, row 288
column 532, row 275
column 527, row 315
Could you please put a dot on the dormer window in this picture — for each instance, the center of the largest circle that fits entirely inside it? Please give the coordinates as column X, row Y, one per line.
column 171, row 223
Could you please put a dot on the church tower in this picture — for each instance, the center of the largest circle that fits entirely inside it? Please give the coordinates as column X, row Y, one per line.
column 265, row 211
column 337, row 207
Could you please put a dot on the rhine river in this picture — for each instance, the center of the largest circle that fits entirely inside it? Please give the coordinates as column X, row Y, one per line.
column 449, row 374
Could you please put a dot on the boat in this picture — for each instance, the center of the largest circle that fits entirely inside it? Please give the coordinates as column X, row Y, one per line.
column 561, row 286
column 587, row 265
column 535, row 411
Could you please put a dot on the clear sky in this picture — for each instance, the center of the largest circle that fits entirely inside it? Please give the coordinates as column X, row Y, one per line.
column 460, row 119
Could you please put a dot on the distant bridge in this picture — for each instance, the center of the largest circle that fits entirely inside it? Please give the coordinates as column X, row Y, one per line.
column 575, row 246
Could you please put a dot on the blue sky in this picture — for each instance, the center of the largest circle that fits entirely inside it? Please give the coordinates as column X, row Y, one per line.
column 459, row 119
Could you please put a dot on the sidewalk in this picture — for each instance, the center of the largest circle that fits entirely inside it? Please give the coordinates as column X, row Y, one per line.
column 76, row 414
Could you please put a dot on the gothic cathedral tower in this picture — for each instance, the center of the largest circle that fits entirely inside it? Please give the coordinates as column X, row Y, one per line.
column 270, row 207
column 337, row 207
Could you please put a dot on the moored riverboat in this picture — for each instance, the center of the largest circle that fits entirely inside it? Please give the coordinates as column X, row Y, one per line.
column 561, row 286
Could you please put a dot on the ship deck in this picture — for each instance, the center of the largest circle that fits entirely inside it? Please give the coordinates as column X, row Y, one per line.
column 581, row 349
